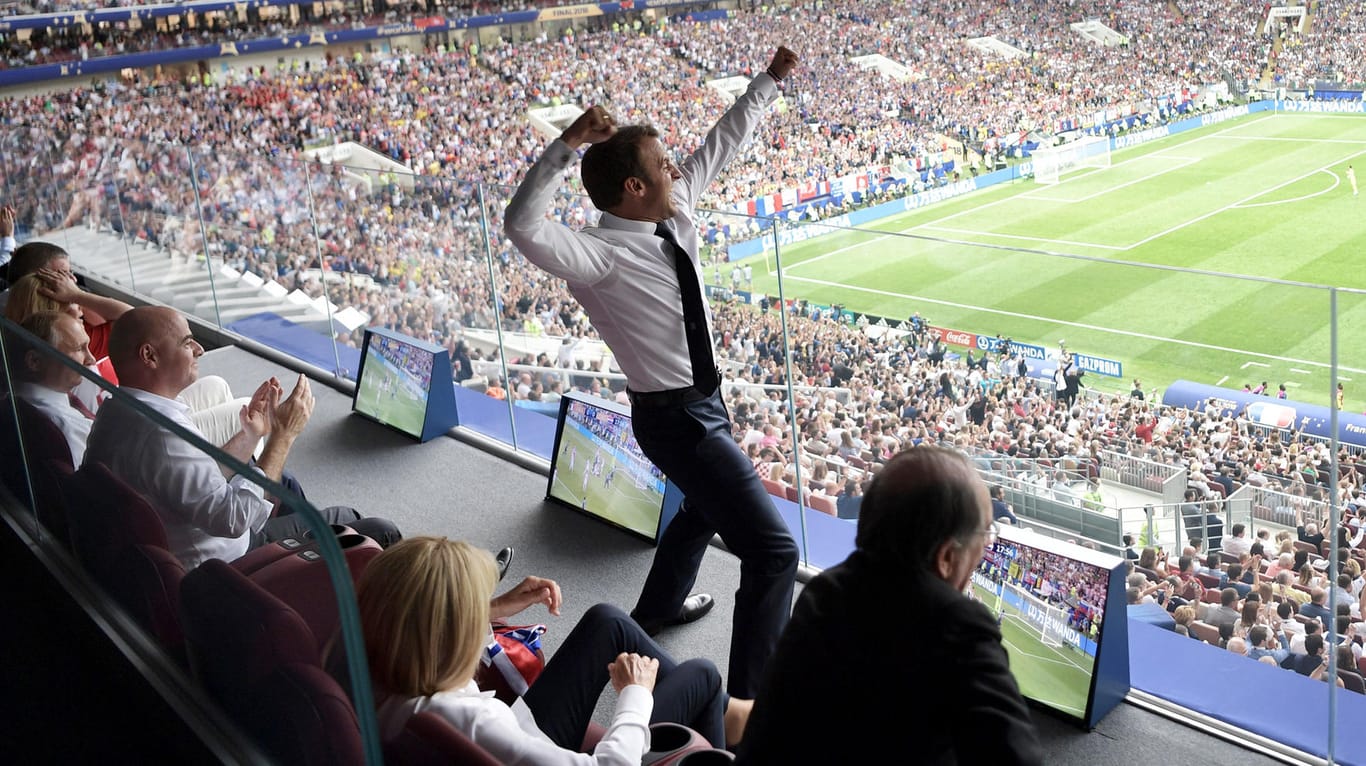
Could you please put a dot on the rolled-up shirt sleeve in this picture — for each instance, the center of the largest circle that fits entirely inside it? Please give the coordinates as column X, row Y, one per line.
column 199, row 493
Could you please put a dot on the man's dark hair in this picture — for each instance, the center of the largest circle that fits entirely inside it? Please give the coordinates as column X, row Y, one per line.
column 1183, row 564
column 923, row 498
column 1238, row 529
column 1341, row 622
column 31, row 256
column 1228, row 597
column 1284, row 610
column 608, row 164
column 1313, row 644
column 1257, row 636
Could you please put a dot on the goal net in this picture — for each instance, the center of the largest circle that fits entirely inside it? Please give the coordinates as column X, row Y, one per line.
column 1051, row 162
column 1050, row 621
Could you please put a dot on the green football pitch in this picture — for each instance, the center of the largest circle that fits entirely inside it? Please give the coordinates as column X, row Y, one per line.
column 1133, row 262
column 383, row 396
column 1057, row 677
column 621, row 502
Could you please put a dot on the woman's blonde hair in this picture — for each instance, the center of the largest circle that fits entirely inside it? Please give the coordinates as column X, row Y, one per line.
column 424, row 610
column 24, row 299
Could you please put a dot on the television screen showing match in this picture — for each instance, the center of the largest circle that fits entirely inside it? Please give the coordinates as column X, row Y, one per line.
column 394, row 381
column 1050, row 600
column 598, row 468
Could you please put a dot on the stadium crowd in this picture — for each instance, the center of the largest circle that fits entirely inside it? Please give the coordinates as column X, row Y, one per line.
column 413, row 255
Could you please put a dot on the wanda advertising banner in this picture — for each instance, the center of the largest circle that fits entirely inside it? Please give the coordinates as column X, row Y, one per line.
column 1096, row 364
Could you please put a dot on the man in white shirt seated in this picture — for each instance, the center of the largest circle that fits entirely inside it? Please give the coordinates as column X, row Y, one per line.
column 1238, row 544
column 208, row 512
column 46, row 383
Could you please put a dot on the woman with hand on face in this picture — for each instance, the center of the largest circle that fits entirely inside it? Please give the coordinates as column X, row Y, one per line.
column 425, row 605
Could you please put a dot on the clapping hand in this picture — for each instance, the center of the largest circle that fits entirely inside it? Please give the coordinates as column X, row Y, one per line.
column 258, row 415
column 291, row 415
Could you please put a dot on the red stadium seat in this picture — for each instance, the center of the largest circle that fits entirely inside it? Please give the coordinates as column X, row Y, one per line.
column 1203, row 631
column 1352, row 681
column 775, row 488
column 302, row 582
column 823, row 504
column 256, row 656
column 1210, row 596
column 1208, row 580
column 44, row 447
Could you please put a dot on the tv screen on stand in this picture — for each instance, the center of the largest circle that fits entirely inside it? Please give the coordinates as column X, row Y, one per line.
column 598, row 469
column 395, row 384
column 1051, row 599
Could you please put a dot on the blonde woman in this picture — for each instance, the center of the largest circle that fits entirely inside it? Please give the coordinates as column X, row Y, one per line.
column 425, row 605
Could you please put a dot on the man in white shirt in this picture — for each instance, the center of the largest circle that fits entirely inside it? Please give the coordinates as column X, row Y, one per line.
column 207, row 513
column 47, row 383
column 1238, row 544
column 637, row 274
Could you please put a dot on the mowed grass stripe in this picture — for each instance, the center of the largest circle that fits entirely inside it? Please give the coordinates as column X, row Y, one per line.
column 1320, row 239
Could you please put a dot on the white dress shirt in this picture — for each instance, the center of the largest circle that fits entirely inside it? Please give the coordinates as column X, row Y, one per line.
column 510, row 734
column 619, row 271
column 206, row 515
column 57, row 407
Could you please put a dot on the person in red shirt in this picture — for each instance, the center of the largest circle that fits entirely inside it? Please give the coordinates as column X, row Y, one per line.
column 1144, row 429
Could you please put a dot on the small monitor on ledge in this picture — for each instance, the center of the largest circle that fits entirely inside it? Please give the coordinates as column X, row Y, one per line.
column 405, row 384
column 598, row 469
column 1061, row 608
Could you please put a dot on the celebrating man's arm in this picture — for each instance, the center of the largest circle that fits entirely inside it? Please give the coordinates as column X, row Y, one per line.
column 736, row 125
column 549, row 245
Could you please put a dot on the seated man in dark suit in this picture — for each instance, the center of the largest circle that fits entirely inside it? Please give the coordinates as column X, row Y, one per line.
column 1000, row 509
column 830, row 695
column 208, row 512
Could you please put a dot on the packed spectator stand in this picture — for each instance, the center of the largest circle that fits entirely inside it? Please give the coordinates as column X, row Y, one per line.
column 123, row 157
column 243, row 136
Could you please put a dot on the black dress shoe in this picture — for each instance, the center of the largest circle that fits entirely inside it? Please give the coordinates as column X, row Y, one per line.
column 504, row 560
column 695, row 607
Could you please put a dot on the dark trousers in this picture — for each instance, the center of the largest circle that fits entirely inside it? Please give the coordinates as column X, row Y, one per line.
column 566, row 693
column 692, row 444
column 293, row 525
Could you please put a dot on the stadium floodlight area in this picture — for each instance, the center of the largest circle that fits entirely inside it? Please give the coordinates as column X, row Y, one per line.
column 1052, row 162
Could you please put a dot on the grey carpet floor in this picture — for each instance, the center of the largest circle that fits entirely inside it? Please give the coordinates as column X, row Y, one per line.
column 447, row 487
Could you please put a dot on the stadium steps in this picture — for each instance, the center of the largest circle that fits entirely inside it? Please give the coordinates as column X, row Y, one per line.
column 1176, row 12
column 180, row 281
column 1269, row 71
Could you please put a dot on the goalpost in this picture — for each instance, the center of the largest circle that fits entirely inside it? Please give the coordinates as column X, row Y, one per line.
column 1088, row 152
column 1050, row 621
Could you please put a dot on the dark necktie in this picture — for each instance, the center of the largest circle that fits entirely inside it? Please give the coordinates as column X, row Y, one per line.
column 694, row 315
column 79, row 406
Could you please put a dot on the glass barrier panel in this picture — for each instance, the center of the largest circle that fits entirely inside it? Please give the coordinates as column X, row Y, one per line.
column 261, row 277
column 140, row 534
column 984, row 304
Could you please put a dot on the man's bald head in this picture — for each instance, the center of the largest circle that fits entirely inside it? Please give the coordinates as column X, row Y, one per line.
column 152, row 349
column 923, row 498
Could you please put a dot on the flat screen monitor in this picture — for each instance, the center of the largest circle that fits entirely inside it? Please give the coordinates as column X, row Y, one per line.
column 395, row 384
column 1051, row 599
column 598, row 469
